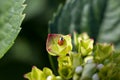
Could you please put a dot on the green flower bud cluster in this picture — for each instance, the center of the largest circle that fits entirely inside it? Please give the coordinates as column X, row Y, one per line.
column 100, row 62
column 88, row 62
column 37, row 74
column 56, row 45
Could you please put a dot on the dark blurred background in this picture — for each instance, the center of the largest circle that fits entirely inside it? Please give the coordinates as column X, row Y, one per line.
column 30, row 46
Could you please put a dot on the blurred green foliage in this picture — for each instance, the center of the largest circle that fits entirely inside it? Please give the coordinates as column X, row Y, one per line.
column 35, row 7
column 95, row 17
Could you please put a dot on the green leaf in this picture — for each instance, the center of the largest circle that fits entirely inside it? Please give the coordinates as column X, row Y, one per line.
column 99, row 18
column 109, row 31
column 67, row 18
column 80, row 16
column 10, row 20
column 54, row 22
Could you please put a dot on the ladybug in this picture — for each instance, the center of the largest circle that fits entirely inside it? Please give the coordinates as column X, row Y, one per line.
column 60, row 41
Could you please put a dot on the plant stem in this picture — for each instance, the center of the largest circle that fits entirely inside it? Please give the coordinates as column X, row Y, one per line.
column 52, row 64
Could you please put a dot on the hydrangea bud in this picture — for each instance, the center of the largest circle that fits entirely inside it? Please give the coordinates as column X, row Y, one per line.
column 78, row 70
column 49, row 78
column 85, row 44
column 58, row 78
column 102, row 52
column 58, row 44
column 88, row 71
column 76, row 77
column 95, row 77
column 86, row 47
column 37, row 74
column 78, row 37
column 99, row 66
column 65, row 67
column 88, row 59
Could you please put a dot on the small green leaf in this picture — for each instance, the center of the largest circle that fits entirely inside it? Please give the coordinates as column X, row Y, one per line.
column 10, row 20
column 58, row 44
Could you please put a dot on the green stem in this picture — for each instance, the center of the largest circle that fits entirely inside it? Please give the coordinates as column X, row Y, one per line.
column 52, row 64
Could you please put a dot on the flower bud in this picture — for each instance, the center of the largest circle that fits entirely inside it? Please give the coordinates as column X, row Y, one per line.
column 78, row 70
column 99, row 66
column 58, row 44
column 65, row 67
column 95, row 77
column 102, row 52
column 86, row 47
column 88, row 71
column 85, row 44
column 76, row 77
column 37, row 74
column 88, row 59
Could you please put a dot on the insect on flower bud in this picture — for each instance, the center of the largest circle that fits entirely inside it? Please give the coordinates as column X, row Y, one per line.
column 60, row 41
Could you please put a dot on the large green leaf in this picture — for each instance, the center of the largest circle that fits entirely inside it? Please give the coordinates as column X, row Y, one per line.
column 80, row 16
column 110, row 27
column 67, row 18
column 10, row 20
column 100, row 18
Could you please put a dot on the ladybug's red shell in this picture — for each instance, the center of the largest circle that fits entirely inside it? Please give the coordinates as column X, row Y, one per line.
column 61, row 41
